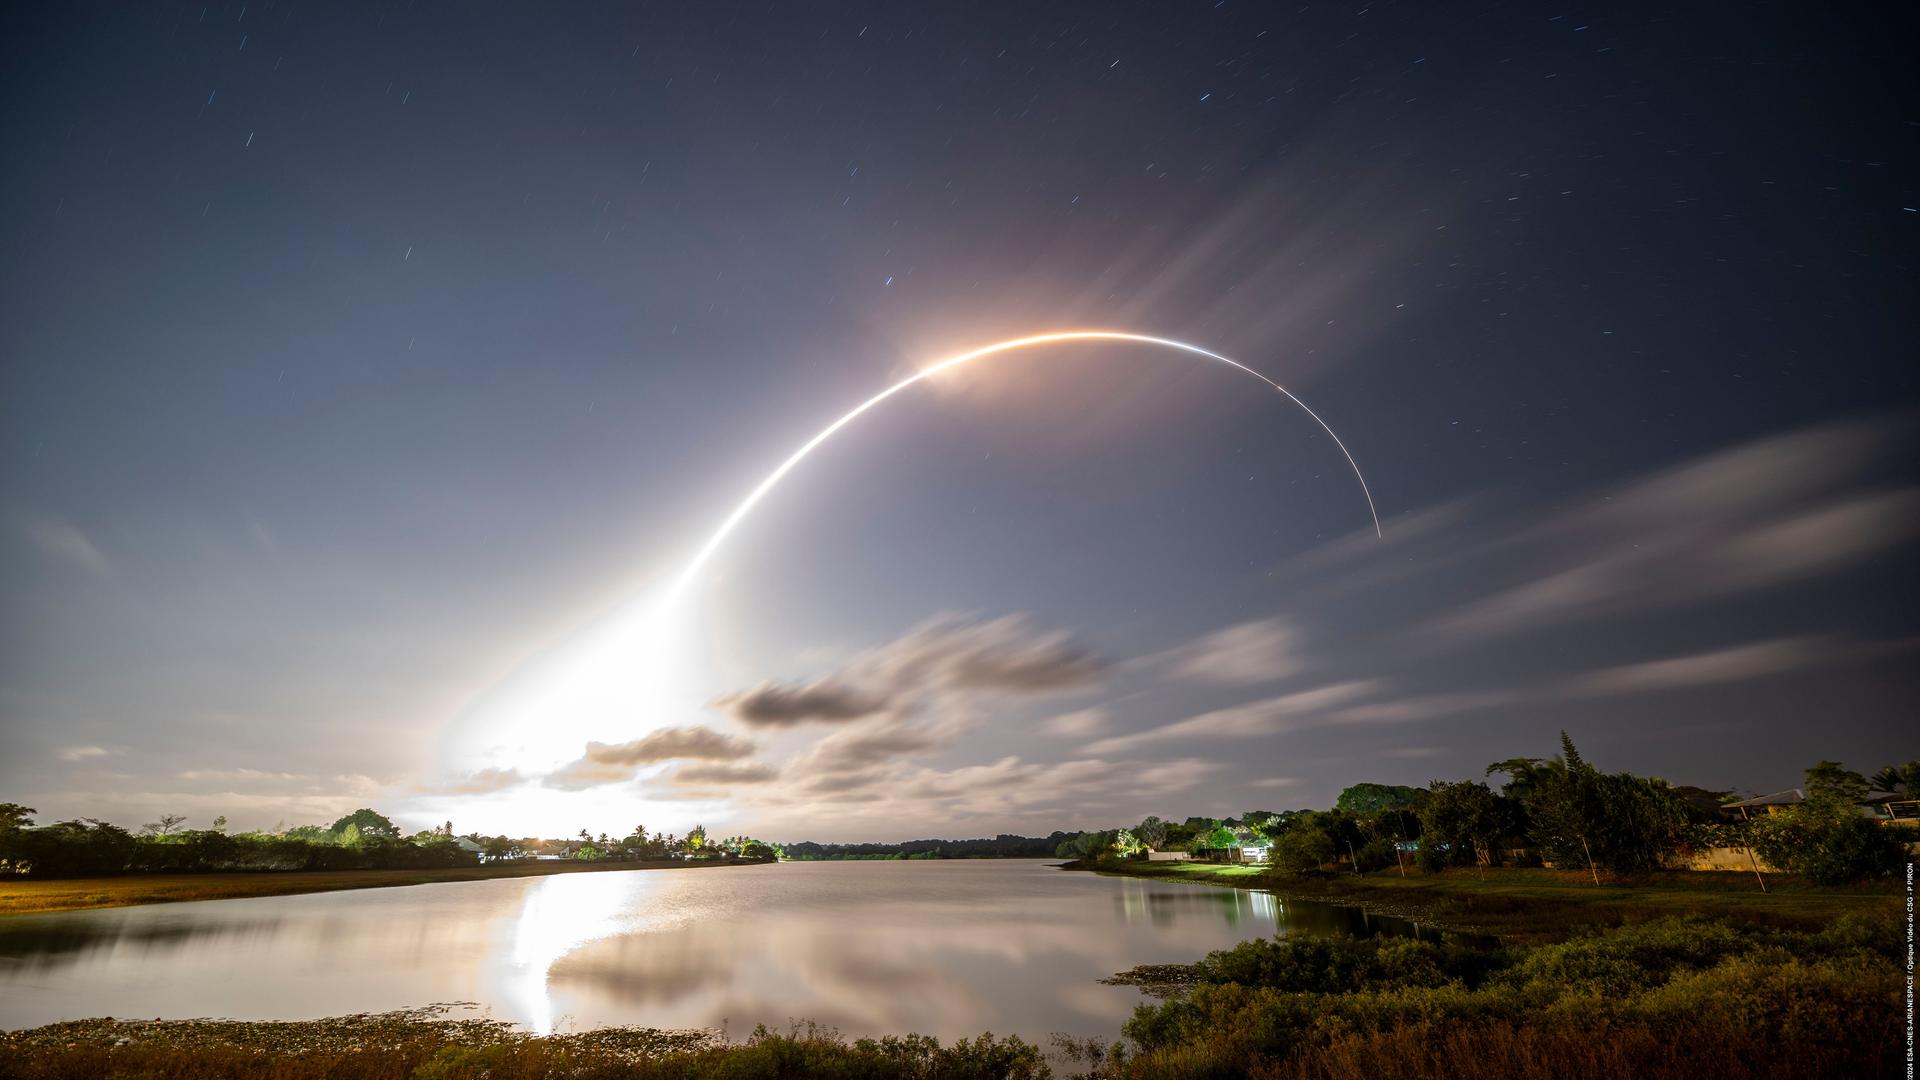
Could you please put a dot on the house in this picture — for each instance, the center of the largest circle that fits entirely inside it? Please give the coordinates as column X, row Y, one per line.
column 1248, row 846
column 1891, row 808
column 1169, row 856
column 1886, row 807
column 1252, row 846
column 1762, row 805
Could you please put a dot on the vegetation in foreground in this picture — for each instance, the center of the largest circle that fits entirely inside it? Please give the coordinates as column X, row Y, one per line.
column 1673, row 999
column 1677, row 997
column 423, row 1046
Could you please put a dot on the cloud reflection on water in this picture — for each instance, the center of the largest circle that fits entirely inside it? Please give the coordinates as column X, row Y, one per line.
column 948, row 949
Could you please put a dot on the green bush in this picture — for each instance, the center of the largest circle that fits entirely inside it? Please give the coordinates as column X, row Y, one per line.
column 1807, row 1004
column 1377, row 855
column 1829, row 843
column 1301, row 849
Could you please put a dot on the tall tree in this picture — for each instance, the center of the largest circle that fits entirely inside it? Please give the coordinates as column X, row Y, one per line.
column 1832, row 780
column 1568, row 753
column 14, row 817
column 367, row 824
column 1460, row 823
column 1152, row 832
column 166, row 826
column 1899, row 779
column 1373, row 798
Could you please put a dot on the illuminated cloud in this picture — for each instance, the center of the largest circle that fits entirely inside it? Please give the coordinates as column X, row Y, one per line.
column 1736, row 664
column 723, row 773
column 612, row 763
column 988, row 796
column 1422, row 707
column 1080, row 724
column 1762, row 515
column 1003, row 654
column 486, row 782
column 944, row 657
column 62, row 541
column 1816, row 540
column 771, row 705
column 239, row 776
column 859, row 748
column 1252, row 652
column 1268, row 716
column 80, row 753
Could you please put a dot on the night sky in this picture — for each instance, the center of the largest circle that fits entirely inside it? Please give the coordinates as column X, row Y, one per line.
column 366, row 366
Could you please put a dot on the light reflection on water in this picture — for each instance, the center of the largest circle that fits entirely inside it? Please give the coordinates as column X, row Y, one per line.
column 945, row 948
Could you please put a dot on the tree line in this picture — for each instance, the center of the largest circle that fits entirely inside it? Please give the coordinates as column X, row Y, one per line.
column 1003, row 846
column 1559, row 810
column 363, row 840
column 89, row 847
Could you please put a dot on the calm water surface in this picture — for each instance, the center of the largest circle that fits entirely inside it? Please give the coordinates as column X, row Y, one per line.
column 944, row 948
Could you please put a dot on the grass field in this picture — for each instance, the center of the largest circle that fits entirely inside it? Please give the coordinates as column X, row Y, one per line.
column 1536, row 904
column 20, row 896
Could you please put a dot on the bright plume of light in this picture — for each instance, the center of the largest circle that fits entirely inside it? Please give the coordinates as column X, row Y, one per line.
column 629, row 674
column 706, row 552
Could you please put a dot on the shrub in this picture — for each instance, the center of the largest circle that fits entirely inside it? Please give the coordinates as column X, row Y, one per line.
column 1302, row 848
column 1829, row 843
column 1674, row 998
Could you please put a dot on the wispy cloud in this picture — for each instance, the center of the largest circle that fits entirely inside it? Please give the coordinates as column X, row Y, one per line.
column 81, row 753
column 1079, row 724
column 239, row 776
column 772, row 705
column 1422, row 707
column 1268, row 716
column 1766, row 514
column 856, row 748
column 1735, row 663
column 947, row 657
column 486, row 782
column 1251, row 652
column 722, row 773
column 63, row 541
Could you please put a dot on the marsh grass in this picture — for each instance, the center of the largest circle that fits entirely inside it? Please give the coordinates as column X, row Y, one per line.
column 1675, row 997
column 1544, row 1052
column 419, row 1046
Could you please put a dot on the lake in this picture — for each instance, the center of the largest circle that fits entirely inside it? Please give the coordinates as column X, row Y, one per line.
column 944, row 948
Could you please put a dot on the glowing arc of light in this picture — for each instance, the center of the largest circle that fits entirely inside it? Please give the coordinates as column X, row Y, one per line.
column 760, row 492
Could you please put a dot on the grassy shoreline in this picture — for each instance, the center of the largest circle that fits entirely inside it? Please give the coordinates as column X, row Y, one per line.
column 1526, row 905
column 39, row 897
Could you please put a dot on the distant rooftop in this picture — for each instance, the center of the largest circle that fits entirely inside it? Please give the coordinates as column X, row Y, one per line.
column 1794, row 795
column 1778, row 798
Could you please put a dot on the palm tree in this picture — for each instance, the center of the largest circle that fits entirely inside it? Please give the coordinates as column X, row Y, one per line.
column 1900, row 779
